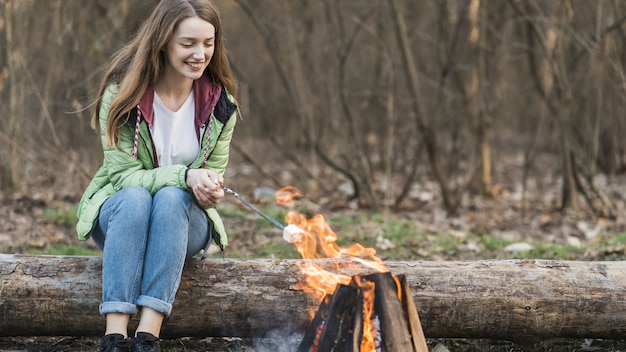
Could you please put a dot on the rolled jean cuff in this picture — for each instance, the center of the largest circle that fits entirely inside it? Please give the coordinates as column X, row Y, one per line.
column 155, row 304
column 118, row 307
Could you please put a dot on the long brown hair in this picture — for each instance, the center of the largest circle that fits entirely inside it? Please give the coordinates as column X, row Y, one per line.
column 142, row 61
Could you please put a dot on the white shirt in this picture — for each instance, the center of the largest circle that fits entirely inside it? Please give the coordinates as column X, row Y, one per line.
column 174, row 134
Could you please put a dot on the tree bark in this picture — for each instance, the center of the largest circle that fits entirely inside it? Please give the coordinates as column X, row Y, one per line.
column 519, row 300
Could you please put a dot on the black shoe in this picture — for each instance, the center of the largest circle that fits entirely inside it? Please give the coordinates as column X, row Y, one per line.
column 146, row 342
column 114, row 343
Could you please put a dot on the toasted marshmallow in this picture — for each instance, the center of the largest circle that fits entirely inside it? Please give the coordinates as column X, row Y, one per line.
column 290, row 233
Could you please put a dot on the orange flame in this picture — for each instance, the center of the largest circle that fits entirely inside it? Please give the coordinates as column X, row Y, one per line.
column 287, row 194
column 369, row 331
column 318, row 241
column 318, row 282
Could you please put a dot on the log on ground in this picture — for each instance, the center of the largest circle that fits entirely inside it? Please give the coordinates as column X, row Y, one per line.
column 519, row 300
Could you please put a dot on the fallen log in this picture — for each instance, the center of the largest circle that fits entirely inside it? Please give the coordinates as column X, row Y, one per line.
column 519, row 300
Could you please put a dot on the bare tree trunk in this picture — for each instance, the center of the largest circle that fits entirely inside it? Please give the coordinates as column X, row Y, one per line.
column 11, row 173
column 530, row 153
column 389, row 147
column 564, row 119
column 552, row 82
column 355, row 146
column 425, row 129
column 568, row 192
column 522, row 300
column 474, row 88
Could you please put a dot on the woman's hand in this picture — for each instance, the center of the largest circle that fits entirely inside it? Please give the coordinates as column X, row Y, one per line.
column 206, row 186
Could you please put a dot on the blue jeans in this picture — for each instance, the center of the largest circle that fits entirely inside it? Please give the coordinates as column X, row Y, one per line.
column 145, row 240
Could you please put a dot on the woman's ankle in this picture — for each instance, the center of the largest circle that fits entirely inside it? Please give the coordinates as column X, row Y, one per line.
column 150, row 322
column 117, row 323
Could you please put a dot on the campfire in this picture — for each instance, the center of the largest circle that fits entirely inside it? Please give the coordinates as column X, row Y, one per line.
column 366, row 312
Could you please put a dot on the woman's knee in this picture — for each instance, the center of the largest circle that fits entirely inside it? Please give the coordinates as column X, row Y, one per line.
column 134, row 196
column 172, row 196
column 131, row 201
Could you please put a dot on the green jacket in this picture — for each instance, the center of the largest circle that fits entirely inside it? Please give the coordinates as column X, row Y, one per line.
column 134, row 163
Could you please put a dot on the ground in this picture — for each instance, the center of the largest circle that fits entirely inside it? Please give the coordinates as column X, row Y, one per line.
column 58, row 344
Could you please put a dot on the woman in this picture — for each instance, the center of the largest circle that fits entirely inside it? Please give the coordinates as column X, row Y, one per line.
column 166, row 113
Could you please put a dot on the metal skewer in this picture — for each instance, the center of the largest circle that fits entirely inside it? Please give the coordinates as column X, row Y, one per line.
column 254, row 208
column 288, row 231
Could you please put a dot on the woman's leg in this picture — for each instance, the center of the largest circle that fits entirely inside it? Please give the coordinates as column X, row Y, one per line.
column 176, row 222
column 121, row 233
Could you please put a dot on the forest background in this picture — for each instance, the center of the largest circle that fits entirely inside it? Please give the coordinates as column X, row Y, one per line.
column 387, row 106
column 461, row 118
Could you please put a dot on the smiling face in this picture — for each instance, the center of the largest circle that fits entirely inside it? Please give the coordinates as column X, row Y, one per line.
column 190, row 49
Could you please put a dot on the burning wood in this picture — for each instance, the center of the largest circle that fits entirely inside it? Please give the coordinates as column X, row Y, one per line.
column 372, row 313
column 367, row 313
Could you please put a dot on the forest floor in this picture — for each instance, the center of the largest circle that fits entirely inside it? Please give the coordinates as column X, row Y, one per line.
column 39, row 218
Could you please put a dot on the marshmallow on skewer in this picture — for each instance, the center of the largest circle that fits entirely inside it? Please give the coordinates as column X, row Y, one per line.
column 290, row 231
